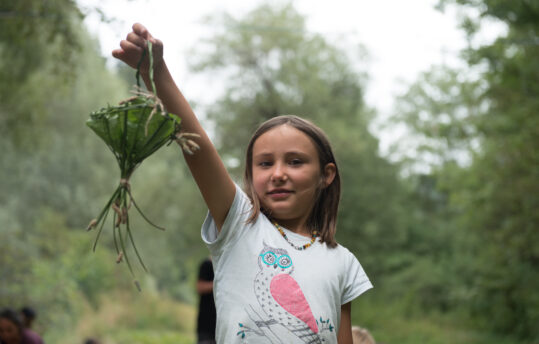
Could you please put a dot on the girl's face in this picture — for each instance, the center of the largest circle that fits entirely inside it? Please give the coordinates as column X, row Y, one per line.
column 287, row 175
column 9, row 332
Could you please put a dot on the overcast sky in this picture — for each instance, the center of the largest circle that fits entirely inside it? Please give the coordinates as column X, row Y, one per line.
column 402, row 38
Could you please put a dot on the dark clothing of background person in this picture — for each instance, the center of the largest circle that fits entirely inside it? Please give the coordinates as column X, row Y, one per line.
column 30, row 337
column 206, row 311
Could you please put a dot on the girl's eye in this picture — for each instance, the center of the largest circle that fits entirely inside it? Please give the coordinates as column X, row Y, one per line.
column 295, row 162
column 264, row 164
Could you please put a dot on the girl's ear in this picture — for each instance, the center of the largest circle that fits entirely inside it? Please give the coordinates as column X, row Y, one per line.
column 330, row 170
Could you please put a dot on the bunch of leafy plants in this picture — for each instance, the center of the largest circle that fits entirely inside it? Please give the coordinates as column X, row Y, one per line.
column 133, row 130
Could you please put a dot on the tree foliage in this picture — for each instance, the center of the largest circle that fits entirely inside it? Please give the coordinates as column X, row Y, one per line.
column 32, row 34
column 490, row 114
column 55, row 174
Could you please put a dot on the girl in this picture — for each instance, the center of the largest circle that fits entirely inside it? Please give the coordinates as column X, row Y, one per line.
column 280, row 277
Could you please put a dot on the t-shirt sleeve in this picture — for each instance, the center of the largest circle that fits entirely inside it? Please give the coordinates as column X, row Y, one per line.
column 356, row 281
column 235, row 223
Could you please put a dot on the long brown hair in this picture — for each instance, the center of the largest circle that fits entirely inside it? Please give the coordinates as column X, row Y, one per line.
column 323, row 217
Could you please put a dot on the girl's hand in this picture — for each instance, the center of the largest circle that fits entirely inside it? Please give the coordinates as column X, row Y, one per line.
column 132, row 47
column 216, row 186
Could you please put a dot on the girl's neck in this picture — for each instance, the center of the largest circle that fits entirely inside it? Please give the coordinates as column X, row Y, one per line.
column 295, row 225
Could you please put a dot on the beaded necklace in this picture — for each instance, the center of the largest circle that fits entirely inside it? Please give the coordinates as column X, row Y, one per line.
column 299, row 248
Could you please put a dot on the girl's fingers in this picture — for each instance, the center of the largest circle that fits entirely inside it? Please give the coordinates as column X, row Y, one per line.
column 121, row 55
column 136, row 39
column 143, row 35
column 118, row 53
column 129, row 53
column 134, row 44
column 141, row 30
column 157, row 47
column 130, row 47
column 140, row 35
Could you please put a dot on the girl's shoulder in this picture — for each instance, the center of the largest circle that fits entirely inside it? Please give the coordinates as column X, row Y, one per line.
column 235, row 223
column 337, row 249
column 338, row 253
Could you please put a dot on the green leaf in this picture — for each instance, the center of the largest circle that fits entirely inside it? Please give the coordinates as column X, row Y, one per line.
column 123, row 129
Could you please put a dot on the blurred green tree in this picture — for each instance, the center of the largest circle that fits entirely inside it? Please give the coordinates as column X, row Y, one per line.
column 32, row 33
column 488, row 115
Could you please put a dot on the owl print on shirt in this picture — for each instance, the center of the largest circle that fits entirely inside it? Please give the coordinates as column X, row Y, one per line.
column 281, row 303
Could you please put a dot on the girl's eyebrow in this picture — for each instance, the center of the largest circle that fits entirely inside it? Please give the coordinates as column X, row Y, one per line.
column 262, row 155
column 269, row 154
column 295, row 152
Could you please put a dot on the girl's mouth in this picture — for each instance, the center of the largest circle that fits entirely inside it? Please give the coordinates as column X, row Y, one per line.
column 279, row 193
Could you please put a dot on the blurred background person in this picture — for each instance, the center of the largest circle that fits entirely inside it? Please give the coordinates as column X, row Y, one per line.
column 12, row 330
column 28, row 316
column 361, row 336
column 10, row 327
column 206, row 319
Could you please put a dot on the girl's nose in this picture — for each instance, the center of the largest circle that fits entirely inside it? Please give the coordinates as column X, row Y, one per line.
column 279, row 173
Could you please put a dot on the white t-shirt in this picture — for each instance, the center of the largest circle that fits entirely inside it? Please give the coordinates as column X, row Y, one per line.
column 266, row 291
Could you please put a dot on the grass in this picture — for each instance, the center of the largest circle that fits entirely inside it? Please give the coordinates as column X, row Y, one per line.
column 130, row 336
column 131, row 317
column 149, row 317
column 394, row 323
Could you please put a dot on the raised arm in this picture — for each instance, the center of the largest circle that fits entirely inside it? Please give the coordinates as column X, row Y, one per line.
column 206, row 166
